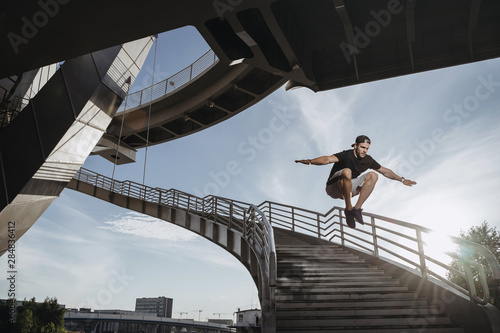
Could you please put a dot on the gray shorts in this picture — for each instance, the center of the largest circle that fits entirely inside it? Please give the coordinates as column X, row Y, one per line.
column 335, row 191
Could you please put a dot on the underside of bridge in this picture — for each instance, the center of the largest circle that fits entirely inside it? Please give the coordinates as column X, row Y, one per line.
column 260, row 45
column 321, row 44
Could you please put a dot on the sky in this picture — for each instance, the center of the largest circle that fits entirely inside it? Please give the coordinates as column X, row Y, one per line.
column 439, row 128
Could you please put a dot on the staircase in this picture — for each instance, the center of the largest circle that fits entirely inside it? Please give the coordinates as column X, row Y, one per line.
column 324, row 287
column 308, row 283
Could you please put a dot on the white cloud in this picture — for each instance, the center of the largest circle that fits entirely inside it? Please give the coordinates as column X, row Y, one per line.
column 326, row 116
column 140, row 225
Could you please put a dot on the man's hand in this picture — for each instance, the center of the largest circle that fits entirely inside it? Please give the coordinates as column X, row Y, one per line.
column 303, row 161
column 408, row 182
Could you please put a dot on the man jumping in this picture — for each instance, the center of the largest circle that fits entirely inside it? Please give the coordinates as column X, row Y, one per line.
column 345, row 180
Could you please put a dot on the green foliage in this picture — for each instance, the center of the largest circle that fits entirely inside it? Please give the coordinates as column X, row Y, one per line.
column 33, row 317
column 489, row 237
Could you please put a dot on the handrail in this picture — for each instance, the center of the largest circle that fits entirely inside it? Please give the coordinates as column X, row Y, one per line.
column 11, row 109
column 393, row 239
column 383, row 237
column 170, row 84
column 238, row 216
column 120, row 74
column 268, row 263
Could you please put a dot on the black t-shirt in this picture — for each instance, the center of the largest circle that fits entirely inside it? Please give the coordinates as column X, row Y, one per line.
column 347, row 159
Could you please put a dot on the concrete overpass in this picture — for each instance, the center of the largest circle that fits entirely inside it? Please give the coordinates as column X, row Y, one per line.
column 97, row 322
column 319, row 45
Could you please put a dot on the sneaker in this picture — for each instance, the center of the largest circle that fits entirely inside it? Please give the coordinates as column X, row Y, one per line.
column 349, row 216
column 357, row 215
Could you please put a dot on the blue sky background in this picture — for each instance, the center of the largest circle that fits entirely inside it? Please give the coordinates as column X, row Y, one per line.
column 439, row 128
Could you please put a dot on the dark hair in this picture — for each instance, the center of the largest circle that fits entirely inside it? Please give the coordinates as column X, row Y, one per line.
column 362, row 139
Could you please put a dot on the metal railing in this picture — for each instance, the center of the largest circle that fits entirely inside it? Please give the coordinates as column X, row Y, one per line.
column 382, row 237
column 238, row 216
column 120, row 74
column 10, row 109
column 174, row 82
column 402, row 242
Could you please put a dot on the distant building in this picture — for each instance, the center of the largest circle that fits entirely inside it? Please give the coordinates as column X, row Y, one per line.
column 161, row 306
column 227, row 322
column 248, row 321
column 116, row 311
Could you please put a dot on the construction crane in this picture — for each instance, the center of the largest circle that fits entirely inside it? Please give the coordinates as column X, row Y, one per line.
column 199, row 314
column 220, row 313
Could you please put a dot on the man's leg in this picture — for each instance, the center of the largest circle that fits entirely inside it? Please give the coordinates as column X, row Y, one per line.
column 345, row 183
column 367, row 188
column 346, row 187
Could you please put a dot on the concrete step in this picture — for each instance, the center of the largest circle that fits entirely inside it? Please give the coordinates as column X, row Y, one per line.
column 323, row 265
column 333, row 284
column 331, row 267
column 320, row 261
column 336, row 274
column 318, row 253
column 284, row 297
column 326, row 288
column 309, row 250
column 305, row 248
column 340, row 290
column 354, row 312
column 417, row 329
column 315, row 256
column 326, row 268
column 328, row 278
column 347, row 304
column 307, row 245
column 362, row 322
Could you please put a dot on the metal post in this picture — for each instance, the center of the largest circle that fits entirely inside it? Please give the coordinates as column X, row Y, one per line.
column 203, row 207
column 341, row 228
column 244, row 223
column 270, row 216
column 215, row 210
column 319, row 226
column 421, row 254
column 374, row 234
column 293, row 218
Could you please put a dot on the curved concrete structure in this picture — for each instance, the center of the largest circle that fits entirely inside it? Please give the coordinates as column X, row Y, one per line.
column 42, row 148
column 261, row 44
column 321, row 44
column 216, row 95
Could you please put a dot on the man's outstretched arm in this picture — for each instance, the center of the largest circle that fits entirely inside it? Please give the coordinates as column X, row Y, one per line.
column 388, row 173
column 322, row 160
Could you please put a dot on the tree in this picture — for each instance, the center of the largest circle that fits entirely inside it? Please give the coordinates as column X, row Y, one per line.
column 489, row 237
column 33, row 317
column 26, row 321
